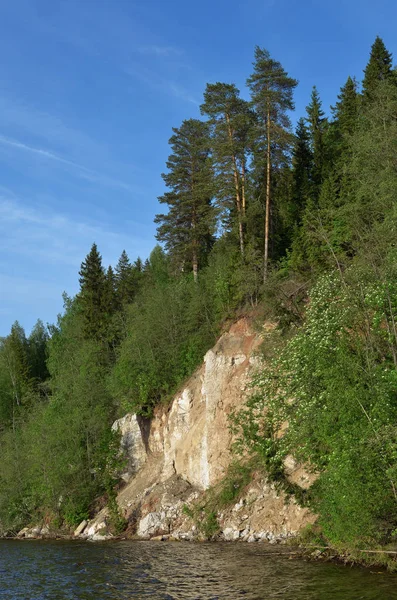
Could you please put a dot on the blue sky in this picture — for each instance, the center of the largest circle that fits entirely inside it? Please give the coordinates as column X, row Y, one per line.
column 89, row 92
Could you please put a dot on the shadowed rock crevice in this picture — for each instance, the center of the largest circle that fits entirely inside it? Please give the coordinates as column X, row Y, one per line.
column 144, row 426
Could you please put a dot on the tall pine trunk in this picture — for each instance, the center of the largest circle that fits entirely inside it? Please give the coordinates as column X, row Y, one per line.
column 243, row 198
column 195, row 242
column 267, row 214
column 239, row 208
column 237, row 189
column 195, row 263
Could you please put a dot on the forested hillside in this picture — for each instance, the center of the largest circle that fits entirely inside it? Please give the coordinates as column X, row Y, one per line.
column 294, row 226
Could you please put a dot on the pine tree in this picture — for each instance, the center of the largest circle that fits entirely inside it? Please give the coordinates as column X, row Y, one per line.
column 92, row 296
column 378, row 69
column 271, row 94
column 231, row 120
column 187, row 229
column 317, row 124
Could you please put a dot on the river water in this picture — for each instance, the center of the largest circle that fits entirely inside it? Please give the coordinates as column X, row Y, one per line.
column 34, row 570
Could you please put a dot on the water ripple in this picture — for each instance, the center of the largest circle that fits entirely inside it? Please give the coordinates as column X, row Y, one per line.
column 34, row 570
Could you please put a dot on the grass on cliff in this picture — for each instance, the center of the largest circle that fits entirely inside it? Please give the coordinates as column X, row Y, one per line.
column 205, row 512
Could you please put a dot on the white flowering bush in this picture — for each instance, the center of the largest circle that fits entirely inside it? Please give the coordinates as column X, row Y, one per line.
column 330, row 399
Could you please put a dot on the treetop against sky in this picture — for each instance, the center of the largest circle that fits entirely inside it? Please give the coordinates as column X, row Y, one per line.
column 89, row 94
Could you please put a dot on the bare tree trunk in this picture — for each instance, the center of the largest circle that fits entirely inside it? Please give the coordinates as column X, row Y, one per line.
column 243, row 198
column 267, row 215
column 241, row 233
column 195, row 264
column 194, row 241
column 238, row 206
column 237, row 188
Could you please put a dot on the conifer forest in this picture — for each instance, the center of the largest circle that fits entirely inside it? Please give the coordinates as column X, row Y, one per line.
column 294, row 225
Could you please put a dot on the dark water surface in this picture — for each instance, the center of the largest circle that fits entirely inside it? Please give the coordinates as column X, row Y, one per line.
column 34, row 570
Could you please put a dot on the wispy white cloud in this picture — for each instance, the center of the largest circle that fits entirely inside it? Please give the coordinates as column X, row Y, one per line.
column 122, row 36
column 21, row 119
column 41, row 252
column 165, row 51
column 26, row 128
column 46, row 237
column 81, row 170
column 40, row 152
column 157, row 82
column 180, row 92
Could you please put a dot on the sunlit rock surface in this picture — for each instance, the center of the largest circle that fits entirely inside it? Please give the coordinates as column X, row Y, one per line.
column 186, row 448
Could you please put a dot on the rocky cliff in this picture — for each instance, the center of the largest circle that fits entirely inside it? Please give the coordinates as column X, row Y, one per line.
column 186, row 449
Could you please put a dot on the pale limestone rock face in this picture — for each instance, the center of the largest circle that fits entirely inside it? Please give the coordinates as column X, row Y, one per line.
column 38, row 531
column 97, row 525
column 187, row 448
column 297, row 473
column 100, row 537
column 264, row 513
column 131, row 443
column 230, row 534
column 79, row 530
column 195, row 433
column 176, row 428
column 23, row 532
column 151, row 525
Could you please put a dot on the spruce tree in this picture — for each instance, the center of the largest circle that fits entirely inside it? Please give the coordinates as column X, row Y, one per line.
column 302, row 166
column 346, row 109
column 378, row 69
column 110, row 298
column 92, row 296
column 231, row 120
column 138, row 264
column 317, row 124
column 125, row 279
column 37, row 351
column 188, row 228
column 345, row 113
column 272, row 97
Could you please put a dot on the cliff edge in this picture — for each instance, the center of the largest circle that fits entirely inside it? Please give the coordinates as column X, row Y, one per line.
column 174, row 458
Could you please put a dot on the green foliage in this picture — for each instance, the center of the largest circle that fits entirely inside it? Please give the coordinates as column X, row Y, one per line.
column 205, row 512
column 243, row 195
column 127, row 279
column 231, row 122
column 17, row 371
column 169, row 329
column 345, row 114
column 238, row 477
column 52, row 457
column 271, row 89
column 188, row 228
column 378, row 69
column 312, row 535
column 317, row 125
column 302, row 162
column 272, row 98
column 334, row 384
column 37, row 352
column 93, row 297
